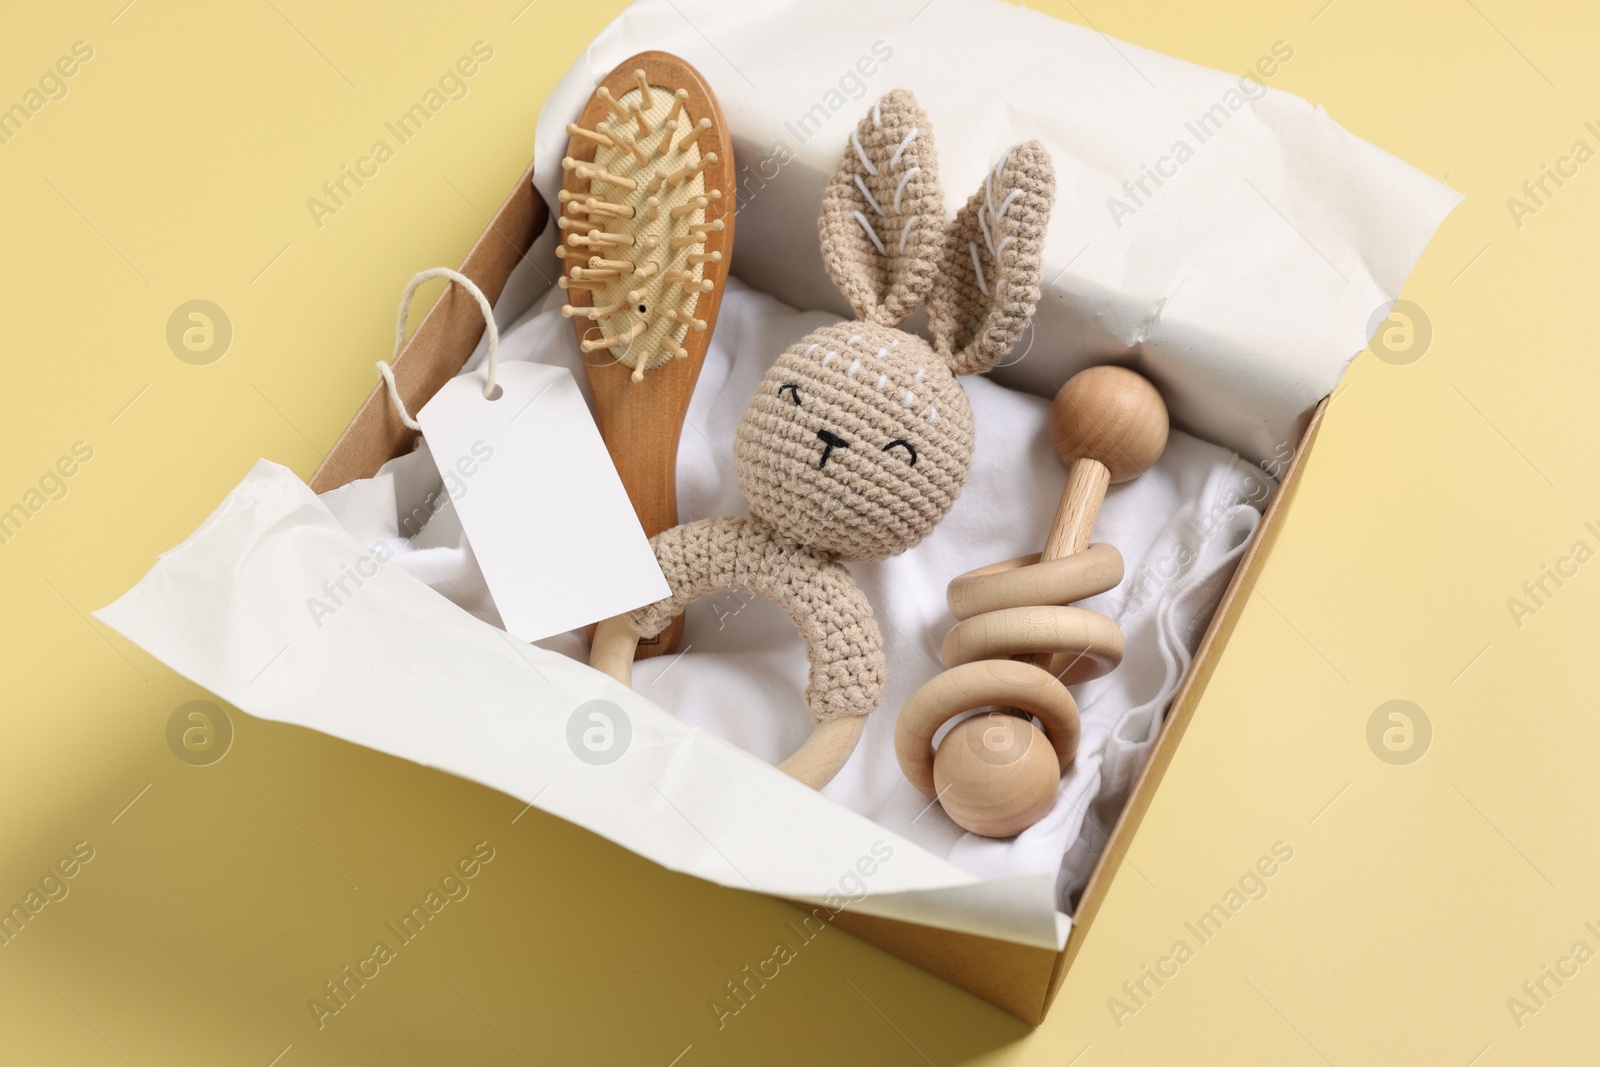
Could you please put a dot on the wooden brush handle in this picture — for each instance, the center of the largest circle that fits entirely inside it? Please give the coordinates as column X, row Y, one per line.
column 640, row 410
column 641, row 424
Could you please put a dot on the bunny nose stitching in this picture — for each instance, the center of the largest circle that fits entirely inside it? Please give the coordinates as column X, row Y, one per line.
column 832, row 441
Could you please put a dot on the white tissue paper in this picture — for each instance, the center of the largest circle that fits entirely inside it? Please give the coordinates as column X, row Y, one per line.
column 1241, row 285
column 1180, row 528
column 398, row 668
column 241, row 608
column 1242, row 316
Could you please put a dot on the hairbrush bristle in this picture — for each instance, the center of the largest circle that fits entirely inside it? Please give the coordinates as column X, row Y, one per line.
column 635, row 225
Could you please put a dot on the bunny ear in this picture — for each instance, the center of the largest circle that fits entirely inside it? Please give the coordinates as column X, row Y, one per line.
column 883, row 214
column 988, row 281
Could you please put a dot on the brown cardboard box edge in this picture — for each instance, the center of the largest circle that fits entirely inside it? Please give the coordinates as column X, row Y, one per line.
column 1021, row 979
column 439, row 348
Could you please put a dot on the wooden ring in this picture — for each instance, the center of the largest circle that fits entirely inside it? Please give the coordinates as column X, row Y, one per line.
column 1092, row 642
column 985, row 683
column 814, row 763
column 1024, row 581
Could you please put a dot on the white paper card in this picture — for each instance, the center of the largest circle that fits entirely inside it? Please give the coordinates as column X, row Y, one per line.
column 542, row 506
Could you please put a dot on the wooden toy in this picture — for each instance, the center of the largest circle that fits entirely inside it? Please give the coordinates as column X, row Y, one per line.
column 647, row 232
column 860, row 436
column 997, row 773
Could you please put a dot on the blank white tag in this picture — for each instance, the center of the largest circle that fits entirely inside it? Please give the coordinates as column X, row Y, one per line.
column 540, row 501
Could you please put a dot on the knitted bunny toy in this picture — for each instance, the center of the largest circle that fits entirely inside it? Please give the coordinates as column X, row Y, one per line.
column 859, row 438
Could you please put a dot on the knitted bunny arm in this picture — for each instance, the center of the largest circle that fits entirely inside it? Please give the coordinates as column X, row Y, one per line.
column 819, row 596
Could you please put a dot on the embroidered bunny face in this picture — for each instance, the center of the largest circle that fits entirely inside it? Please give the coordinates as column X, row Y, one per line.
column 860, row 437
column 857, row 442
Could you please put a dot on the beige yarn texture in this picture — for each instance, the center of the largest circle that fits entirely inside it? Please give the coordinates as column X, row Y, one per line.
column 859, row 439
column 866, row 503
column 819, row 596
column 1003, row 227
column 905, row 213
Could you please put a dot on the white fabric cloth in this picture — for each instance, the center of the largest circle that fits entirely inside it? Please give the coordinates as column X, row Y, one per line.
column 1180, row 528
column 1242, row 282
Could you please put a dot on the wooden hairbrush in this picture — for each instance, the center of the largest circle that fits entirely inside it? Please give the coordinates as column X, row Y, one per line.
column 647, row 210
column 997, row 774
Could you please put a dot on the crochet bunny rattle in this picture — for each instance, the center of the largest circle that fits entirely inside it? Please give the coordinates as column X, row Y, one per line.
column 859, row 438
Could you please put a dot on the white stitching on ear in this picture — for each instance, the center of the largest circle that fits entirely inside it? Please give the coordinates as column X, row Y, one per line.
column 933, row 413
column 905, row 231
column 855, row 366
column 809, row 349
column 1007, row 203
column 880, row 353
column 861, row 154
column 883, row 380
column 973, row 245
column 909, row 398
column 865, row 225
column 994, row 172
column 988, row 238
column 877, row 118
column 866, row 193
column 828, row 358
column 902, row 187
column 894, row 160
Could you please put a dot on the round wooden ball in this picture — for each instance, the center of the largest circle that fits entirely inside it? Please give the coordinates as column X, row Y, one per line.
column 996, row 774
column 1113, row 415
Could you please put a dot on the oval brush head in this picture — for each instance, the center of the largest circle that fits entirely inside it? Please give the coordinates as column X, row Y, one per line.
column 646, row 218
column 646, row 215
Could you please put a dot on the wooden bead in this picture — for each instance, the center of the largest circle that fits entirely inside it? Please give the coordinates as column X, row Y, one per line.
column 1112, row 415
column 996, row 774
column 986, row 683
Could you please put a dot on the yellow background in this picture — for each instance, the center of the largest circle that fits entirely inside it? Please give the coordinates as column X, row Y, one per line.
column 1419, row 897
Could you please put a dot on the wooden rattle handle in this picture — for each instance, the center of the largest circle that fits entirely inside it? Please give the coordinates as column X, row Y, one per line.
column 1108, row 425
column 1087, row 481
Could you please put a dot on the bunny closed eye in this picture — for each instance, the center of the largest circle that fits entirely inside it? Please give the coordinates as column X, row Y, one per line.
column 901, row 442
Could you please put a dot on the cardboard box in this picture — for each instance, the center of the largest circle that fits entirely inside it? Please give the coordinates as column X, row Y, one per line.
column 1019, row 978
